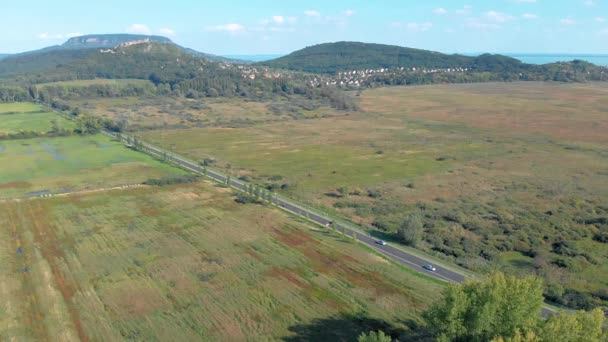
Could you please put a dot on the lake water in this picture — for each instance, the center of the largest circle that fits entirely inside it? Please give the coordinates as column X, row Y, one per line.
column 551, row 58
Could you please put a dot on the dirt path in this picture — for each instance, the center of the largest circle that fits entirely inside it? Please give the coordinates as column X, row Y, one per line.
column 70, row 193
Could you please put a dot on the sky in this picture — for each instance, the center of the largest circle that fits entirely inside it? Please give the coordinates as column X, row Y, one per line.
column 282, row 26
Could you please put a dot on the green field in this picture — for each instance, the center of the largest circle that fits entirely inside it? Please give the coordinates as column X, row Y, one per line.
column 189, row 263
column 509, row 176
column 32, row 122
column 72, row 163
column 19, row 107
column 28, row 117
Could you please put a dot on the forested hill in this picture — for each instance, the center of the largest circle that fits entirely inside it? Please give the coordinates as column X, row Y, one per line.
column 78, row 48
column 159, row 62
column 330, row 58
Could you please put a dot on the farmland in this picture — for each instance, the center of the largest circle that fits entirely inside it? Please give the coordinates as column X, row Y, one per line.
column 46, row 165
column 501, row 174
column 19, row 117
column 189, row 263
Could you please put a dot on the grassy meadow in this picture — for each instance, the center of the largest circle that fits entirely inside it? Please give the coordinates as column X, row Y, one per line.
column 17, row 117
column 19, row 107
column 189, row 263
column 72, row 163
column 505, row 176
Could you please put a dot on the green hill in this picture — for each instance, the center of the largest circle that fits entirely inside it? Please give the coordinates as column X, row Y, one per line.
column 157, row 61
column 333, row 57
column 78, row 48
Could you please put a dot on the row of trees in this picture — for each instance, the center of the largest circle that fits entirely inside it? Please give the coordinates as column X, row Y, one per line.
column 503, row 308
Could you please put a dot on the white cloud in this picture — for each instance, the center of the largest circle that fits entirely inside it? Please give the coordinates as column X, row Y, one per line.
column 279, row 20
column 466, row 9
column 232, row 28
column 567, row 21
column 600, row 20
column 497, row 17
column 139, row 29
column 349, row 12
column 529, row 16
column 167, row 32
column 590, row 3
column 604, row 32
column 477, row 24
column 56, row 36
column 414, row 27
column 440, row 11
column 312, row 13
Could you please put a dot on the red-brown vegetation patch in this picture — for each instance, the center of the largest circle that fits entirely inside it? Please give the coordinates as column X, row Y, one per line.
column 288, row 275
column 133, row 300
column 291, row 237
column 15, row 185
column 44, row 236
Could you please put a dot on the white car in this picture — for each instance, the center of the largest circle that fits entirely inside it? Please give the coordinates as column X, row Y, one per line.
column 430, row 268
column 381, row 242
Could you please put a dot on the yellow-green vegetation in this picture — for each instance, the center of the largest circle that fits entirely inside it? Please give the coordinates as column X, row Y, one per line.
column 46, row 165
column 19, row 107
column 173, row 112
column 507, row 308
column 509, row 176
column 189, row 263
column 39, row 123
column 28, row 119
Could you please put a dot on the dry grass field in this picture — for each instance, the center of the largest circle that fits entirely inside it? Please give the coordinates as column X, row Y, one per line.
column 186, row 263
column 160, row 112
column 510, row 176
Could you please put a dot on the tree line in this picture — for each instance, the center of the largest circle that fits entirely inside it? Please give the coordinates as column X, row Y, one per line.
column 500, row 308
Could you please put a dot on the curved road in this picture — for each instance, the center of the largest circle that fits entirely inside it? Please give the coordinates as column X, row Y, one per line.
column 402, row 257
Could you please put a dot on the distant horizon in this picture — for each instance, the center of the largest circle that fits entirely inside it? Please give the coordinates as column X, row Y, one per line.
column 263, row 26
column 233, row 54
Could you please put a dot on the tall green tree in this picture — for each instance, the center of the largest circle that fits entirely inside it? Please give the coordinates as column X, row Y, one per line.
column 580, row 326
column 410, row 230
column 482, row 310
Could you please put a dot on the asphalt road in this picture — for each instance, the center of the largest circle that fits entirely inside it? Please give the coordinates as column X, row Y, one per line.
column 402, row 257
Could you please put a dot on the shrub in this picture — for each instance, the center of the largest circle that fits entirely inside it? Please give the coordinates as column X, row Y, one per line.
column 185, row 179
column 410, row 230
column 244, row 198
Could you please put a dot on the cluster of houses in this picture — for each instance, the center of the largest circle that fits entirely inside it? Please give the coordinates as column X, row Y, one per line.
column 252, row 73
column 357, row 78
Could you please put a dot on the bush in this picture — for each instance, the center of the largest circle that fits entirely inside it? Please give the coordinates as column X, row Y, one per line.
column 208, row 162
column 410, row 230
column 244, row 198
column 374, row 193
column 185, row 179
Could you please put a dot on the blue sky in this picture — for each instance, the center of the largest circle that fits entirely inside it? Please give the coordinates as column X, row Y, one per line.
column 275, row 27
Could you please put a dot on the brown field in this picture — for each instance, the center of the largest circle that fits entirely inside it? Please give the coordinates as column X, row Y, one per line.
column 560, row 111
column 501, row 173
column 159, row 112
column 188, row 263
